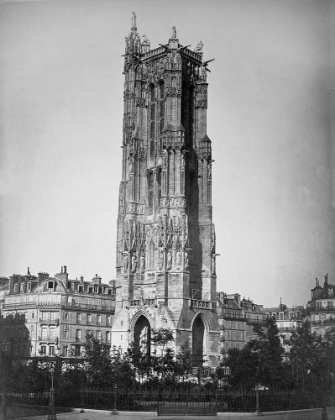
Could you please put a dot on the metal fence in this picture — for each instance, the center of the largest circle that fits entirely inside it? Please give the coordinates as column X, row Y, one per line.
column 179, row 401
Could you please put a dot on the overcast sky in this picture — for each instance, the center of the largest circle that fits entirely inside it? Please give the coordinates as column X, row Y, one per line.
column 270, row 119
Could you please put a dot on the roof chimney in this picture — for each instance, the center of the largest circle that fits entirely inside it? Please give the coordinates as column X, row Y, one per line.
column 63, row 275
column 96, row 280
column 317, row 282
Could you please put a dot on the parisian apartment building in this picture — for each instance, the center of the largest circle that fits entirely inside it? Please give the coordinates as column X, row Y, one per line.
column 320, row 310
column 47, row 315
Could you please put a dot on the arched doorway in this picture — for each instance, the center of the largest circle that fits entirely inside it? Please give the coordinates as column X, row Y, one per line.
column 198, row 335
column 142, row 334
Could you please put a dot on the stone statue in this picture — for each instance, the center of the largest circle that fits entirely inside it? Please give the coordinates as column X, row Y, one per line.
column 174, row 32
column 169, row 259
column 125, row 263
column 214, row 264
column 133, row 263
column 160, row 258
column 164, row 159
column 186, row 259
column 133, row 21
column 199, row 47
column 178, row 258
column 142, row 262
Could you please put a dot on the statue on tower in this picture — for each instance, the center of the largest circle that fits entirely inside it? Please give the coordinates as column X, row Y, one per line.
column 174, row 33
column 199, row 47
column 133, row 22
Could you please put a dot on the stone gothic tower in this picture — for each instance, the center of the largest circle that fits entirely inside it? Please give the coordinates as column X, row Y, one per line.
column 165, row 249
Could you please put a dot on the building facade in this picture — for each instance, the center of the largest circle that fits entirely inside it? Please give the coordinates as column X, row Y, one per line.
column 255, row 315
column 165, row 251
column 232, row 322
column 320, row 310
column 46, row 316
column 288, row 321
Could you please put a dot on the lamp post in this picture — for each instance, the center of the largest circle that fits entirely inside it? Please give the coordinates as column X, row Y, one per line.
column 52, row 408
column 114, row 351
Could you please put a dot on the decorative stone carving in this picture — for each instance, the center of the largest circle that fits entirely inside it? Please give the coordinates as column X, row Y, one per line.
column 199, row 47
column 169, row 260
column 178, row 258
column 142, row 263
column 133, row 263
column 125, row 263
column 186, row 259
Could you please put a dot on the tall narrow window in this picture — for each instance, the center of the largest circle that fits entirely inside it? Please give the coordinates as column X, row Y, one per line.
column 152, row 112
column 150, row 193
column 161, row 107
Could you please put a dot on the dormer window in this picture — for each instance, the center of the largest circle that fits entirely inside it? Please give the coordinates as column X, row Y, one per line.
column 16, row 287
column 22, row 287
column 50, row 284
column 29, row 286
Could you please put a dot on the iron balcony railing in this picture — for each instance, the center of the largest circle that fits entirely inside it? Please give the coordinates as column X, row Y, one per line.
column 48, row 339
column 49, row 321
column 329, row 321
column 103, row 308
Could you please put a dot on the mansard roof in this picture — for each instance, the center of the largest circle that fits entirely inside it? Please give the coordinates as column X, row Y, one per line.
column 58, row 286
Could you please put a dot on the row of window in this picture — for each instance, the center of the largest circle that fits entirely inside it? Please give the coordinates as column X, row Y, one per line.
column 284, row 315
column 98, row 334
column 88, row 318
column 329, row 304
column 234, row 335
column 81, row 334
column 234, row 345
column 22, row 287
column 235, row 325
column 86, row 288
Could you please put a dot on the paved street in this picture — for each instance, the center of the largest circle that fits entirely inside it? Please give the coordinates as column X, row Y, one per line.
column 95, row 415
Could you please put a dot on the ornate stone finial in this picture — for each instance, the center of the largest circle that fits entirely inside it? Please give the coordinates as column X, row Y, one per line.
column 199, row 47
column 145, row 44
column 133, row 22
column 174, row 33
column 145, row 39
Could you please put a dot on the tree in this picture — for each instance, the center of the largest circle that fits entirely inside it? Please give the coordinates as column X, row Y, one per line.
column 98, row 364
column 243, row 365
column 270, row 367
column 312, row 358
